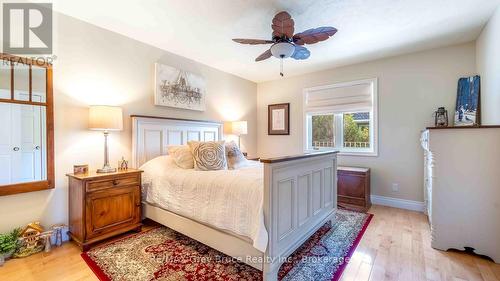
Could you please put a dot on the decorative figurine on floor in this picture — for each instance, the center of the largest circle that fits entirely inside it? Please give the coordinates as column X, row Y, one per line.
column 45, row 237
column 57, row 229
column 30, row 241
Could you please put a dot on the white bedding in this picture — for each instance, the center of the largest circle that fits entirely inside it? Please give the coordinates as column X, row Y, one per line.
column 230, row 200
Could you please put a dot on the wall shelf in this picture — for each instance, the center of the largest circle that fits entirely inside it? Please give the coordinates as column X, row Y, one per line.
column 465, row 127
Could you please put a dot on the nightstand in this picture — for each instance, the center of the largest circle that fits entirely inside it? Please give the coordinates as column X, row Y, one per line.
column 103, row 205
column 250, row 158
column 353, row 188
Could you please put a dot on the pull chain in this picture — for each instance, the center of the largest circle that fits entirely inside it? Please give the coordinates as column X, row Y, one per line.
column 281, row 65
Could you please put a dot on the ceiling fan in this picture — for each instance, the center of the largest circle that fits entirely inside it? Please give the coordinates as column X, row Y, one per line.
column 285, row 43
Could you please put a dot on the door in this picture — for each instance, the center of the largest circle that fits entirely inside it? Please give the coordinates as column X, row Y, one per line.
column 5, row 144
column 27, row 142
column 21, row 142
column 111, row 209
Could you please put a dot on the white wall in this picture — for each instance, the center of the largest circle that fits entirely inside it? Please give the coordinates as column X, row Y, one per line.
column 95, row 66
column 488, row 66
column 411, row 88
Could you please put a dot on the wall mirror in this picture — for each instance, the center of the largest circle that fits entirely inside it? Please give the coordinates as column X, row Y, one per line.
column 26, row 125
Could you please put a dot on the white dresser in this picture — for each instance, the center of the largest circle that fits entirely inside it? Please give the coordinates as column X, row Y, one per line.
column 462, row 188
column 428, row 165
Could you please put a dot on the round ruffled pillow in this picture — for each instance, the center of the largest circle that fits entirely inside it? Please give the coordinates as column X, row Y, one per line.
column 209, row 155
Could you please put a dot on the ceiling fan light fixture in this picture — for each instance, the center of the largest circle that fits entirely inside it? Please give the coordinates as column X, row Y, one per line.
column 286, row 43
column 282, row 50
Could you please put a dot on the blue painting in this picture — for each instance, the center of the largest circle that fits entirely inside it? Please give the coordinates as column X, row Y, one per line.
column 467, row 108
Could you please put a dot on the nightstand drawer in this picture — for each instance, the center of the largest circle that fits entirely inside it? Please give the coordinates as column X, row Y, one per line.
column 103, row 184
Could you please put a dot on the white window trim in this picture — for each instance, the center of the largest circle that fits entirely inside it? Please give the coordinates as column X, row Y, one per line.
column 373, row 118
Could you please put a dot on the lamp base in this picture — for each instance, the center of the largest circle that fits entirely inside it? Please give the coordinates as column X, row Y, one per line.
column 106, row 170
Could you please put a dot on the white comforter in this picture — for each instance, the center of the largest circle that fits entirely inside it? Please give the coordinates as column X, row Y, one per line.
column 229, row 200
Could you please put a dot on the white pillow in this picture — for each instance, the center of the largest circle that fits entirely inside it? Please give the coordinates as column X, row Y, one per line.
column 182, row 156
column 234, row 156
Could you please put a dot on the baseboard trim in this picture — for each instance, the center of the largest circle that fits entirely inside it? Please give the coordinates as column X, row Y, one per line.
column 398, row 203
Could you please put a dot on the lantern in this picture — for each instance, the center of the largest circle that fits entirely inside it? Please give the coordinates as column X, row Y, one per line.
column 441, row 117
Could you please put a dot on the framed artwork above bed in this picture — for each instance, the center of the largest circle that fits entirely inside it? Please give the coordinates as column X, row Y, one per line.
column 278, row 119
column 178, row 88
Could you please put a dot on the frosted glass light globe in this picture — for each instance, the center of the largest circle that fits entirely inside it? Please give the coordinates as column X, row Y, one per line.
column 282, row 50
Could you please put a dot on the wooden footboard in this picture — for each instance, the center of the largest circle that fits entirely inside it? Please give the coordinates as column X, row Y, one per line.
column 300, row 195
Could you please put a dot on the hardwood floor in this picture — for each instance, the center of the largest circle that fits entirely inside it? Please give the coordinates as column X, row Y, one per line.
column 396, row 246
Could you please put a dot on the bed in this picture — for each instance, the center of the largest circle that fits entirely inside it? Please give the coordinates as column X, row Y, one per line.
column 258, row 214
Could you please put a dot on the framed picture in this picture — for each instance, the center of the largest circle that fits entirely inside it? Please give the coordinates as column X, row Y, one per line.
column 278, row 119
column 467, row 110
column 80, row 169
column 178, row 88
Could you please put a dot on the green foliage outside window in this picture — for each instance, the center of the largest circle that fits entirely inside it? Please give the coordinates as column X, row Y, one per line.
column 354, row 132
column 322, row 128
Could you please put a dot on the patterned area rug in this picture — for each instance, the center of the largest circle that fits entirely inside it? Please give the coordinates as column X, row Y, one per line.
column 163, row 254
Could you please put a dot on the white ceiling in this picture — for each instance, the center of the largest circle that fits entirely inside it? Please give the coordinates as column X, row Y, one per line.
column 368, row 29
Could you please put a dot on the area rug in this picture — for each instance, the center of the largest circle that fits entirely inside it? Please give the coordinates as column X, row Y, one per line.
column 163, row 254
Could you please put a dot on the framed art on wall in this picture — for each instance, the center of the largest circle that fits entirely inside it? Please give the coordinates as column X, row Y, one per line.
column 468, row 106
column 278, row 119
column 178, row 88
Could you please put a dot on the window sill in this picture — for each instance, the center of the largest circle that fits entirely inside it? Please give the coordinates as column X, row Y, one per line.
column 353, row 153
column 346, row 152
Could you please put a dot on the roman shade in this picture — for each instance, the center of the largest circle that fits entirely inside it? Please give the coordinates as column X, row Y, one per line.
column 345, row 97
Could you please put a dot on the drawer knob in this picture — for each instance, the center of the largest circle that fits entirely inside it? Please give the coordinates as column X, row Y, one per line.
column 115, row 182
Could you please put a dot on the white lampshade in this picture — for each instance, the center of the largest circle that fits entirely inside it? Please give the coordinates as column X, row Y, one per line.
column 236, row 128
column 240, row 128
column 105, row 118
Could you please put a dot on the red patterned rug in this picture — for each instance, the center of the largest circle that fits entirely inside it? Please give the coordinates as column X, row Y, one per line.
column 163, row 254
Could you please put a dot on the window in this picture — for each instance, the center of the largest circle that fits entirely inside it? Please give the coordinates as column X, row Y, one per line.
column 342, row 117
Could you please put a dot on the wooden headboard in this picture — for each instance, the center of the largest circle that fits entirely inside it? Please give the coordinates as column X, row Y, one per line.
column 151, row 135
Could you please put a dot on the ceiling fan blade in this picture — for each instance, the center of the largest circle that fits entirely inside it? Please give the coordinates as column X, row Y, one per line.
column 267, row 54
column 301, row 53
column 314, row 35
column 252, row 41
column 283, row 25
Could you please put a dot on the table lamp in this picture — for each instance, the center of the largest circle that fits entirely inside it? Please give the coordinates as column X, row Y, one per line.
column 237, row 128
column 105, row 118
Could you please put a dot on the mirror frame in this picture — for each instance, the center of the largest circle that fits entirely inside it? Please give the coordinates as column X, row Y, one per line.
column 9, row 189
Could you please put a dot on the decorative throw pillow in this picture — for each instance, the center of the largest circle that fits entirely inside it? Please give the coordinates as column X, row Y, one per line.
column 182, row 156
column 208, row 156
column 235, row 158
